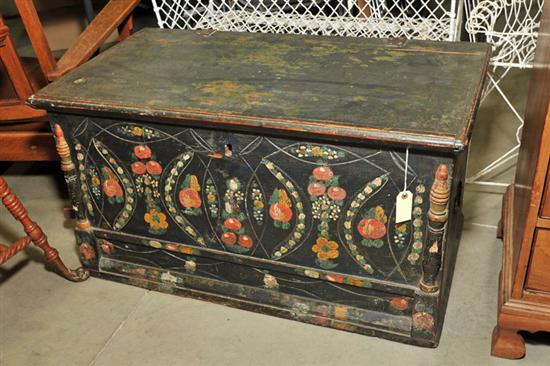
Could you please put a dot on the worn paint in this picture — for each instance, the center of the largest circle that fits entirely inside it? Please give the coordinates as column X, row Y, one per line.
column 418, row 92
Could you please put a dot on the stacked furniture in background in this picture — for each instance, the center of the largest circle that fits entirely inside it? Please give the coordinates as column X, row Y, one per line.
column 24, row 131
column 524, row 293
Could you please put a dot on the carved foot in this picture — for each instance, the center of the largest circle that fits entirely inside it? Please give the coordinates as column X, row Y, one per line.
column 507, row 343
column 500, row 230
column 76, row 275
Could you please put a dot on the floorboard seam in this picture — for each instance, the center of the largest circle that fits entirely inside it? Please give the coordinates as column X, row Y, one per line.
column 115, row 332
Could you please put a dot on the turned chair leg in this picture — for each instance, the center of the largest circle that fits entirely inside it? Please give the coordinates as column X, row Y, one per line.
column 34, row 234
column 507, row 343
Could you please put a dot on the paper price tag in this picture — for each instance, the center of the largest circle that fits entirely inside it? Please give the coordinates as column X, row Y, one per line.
column 403, row 206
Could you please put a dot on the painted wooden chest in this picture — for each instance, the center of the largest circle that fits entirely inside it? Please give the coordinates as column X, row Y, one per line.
column 261, row 171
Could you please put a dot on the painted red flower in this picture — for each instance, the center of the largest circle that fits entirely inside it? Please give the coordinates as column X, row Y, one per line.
column 189, row 198
column 280, row 212
column 232, row 224
column 316, row 189
column 112, row 188
column 337, row 193
column 229, row 238
column 142, row 151
column 138, row 168
column 423, row 320
column 245, row 241
column 322, row 173
column 335, row 278
column 153, row 167
column 371, row 229
column 87, row 252
column 172, row 247
column 399, row 303
column 107, row 247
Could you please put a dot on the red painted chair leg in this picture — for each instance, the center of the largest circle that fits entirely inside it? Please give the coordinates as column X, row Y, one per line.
column 36, row 235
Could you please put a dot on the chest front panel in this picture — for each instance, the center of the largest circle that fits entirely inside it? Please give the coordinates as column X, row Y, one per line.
column 319, row 205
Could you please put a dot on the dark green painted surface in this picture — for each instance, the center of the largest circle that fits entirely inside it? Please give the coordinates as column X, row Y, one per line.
column 402, row 91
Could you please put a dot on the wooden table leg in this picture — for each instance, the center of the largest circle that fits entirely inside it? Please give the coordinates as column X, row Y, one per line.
column 16, row 209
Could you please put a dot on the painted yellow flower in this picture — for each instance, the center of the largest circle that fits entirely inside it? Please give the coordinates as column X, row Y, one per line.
column 194, row 184
column 95, row 180
column 402, row 228
column 258, row 204
column 325, row 249
column 186, row 250
column 137, row 131
column 211, row 197
column 380, row 214
column 156, row 219
column 354, row 281
column 317, row 151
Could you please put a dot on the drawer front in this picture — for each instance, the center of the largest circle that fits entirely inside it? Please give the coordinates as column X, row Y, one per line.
column 545, row 207
column 187, row 270
column 539, row 268
column 328, row 207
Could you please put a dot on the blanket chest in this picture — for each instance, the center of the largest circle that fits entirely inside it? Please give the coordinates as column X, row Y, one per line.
column 262, row 171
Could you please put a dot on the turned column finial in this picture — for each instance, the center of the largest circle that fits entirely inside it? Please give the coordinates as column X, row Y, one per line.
column 63, row 149
column 437, row 218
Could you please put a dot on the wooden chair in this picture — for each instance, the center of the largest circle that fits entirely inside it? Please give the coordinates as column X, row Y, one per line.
column 34, row 234
column 24, row 132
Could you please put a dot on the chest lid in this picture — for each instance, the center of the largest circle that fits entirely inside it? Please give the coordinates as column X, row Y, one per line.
column 401, row 91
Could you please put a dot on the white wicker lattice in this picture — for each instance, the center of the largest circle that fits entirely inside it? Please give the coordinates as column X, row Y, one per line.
column 418, row 19
column 511, row 28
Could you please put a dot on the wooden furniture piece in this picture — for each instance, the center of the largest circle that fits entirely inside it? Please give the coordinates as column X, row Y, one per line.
column 116, row 13
column 261, row 171
column 24, row 131
column 524, row 287
column 34, row 235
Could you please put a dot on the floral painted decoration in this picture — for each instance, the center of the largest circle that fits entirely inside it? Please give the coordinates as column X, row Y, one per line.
column 270, row 282
column 171, row 196
column 156, row 220
column 418, row 226
column 355, row 206
column 117, row 185
column 297, row 234
column 327, row 198
column 189, row 196
column 373, row 227
column 400, row 234
column 258, row 204
column 318, row 151
column 399, row 303
column 280, row 208
column 212, row 198
column 325, row 249
column 234, row 235
column 147, row 171
column 139, row 132
column 111, row 186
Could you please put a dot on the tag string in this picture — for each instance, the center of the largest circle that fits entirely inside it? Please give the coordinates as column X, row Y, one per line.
column 406, row 169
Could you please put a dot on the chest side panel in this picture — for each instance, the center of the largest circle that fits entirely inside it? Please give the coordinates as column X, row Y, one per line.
column 317, row 206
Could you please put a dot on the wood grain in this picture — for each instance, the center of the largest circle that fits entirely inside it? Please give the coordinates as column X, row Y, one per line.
column 27, row 146
column 524, row 287
column 109, row 18
column 538, row 277
column 545, row 208
column 36, row 34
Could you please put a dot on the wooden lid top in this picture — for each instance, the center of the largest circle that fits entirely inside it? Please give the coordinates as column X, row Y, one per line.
column 400, row 91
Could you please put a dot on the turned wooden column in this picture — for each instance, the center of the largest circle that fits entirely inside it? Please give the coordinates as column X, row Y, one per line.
column 35, row 235
column 437, row 220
